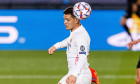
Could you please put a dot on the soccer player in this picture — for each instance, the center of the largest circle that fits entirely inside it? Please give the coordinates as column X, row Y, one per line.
column 77, row 50
column 95, row 79
column 138, row 65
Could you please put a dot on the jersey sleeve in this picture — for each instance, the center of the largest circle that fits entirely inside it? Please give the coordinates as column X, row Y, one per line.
column 81, row 42
column 94, row 75
column 61, row 44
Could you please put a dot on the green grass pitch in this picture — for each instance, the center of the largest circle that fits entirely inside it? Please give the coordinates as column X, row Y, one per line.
column 38, row 67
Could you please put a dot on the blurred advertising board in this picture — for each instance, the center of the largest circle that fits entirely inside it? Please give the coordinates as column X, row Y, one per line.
column 40, row 29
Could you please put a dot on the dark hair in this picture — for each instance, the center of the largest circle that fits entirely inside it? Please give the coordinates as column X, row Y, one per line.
column 69, row 10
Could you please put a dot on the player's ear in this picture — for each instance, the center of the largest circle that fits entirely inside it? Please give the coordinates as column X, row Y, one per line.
column 76, row 20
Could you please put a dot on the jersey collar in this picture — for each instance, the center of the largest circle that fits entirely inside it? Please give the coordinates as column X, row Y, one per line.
column 78, row 29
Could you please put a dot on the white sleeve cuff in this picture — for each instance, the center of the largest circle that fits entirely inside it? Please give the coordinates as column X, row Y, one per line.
column 57, row 45
column 74, row 74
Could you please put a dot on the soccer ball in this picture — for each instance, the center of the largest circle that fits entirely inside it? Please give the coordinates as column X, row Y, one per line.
column 82, row 10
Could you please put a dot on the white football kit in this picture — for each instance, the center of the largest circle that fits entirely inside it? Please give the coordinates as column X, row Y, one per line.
column 77, row 51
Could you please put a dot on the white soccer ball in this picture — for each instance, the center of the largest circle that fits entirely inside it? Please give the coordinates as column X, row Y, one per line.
column 82, row 10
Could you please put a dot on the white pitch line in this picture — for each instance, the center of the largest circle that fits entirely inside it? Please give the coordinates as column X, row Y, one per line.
column 117, row 76
column 30, row 76
column 60, row 76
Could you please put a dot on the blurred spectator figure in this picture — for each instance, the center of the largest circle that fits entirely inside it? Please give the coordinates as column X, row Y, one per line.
column 131, row 22
column 131, row 8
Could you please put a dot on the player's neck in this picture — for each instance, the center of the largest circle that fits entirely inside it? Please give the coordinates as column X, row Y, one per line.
column 76, row 26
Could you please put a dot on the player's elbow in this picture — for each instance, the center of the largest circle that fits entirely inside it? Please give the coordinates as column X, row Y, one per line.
column 93, row 83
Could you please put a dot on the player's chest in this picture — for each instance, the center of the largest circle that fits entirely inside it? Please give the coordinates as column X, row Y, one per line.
column 71, row 41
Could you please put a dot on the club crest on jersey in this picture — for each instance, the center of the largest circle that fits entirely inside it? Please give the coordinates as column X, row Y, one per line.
column 71, row 39
column 82, row 48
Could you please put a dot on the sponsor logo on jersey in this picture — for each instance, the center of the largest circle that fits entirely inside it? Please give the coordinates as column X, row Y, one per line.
column 69, row 45
column 82, row 53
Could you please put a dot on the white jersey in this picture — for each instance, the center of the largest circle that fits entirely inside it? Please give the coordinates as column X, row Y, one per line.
column 77, row 50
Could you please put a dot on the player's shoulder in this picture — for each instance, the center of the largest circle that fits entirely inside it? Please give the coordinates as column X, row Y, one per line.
column 91, row 69
column 82, row 33
column 80, row 36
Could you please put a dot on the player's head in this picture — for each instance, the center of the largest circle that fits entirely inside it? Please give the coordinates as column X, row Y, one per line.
column 70, row 20
column 69, row 11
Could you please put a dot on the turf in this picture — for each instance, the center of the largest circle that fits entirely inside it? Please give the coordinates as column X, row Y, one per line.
column 40, row 63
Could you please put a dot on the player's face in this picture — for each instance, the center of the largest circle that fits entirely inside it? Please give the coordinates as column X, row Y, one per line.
column 69, row 21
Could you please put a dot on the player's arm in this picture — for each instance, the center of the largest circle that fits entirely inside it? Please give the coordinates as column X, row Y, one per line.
column 58, row 45
column 94, row 77
column 82, row 58
column 123, row 23
column 81, row 43
column 93, row 83
column 133, row 42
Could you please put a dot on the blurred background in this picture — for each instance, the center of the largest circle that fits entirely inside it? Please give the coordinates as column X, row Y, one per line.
column 28, row 28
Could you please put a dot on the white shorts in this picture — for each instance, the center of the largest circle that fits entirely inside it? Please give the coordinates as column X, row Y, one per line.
column 84, row 78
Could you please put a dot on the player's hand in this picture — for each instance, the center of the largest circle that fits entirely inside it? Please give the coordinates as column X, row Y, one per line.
column 51, row 50
column 131, row 44
column 71, row 80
